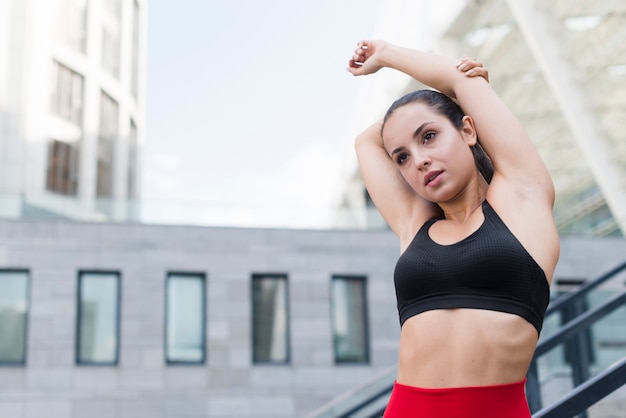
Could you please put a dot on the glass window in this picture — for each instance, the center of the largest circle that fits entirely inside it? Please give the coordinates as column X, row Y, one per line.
column 270, row 319
column 111, row 51
column 349, row 319
column 62, row 174
column 13, row 316
column 106, row 141
column 98, row 318
column 111, row 23
column 67, row 94
column 71, row 23
column 185, row 318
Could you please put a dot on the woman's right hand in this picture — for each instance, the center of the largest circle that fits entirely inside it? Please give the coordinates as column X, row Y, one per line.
column 366, row 58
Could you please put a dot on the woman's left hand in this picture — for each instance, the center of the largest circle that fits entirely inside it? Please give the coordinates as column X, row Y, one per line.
column 472, row 68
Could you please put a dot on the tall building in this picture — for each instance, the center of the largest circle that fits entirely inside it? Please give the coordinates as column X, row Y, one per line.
column 72, row 88
column 559, row 66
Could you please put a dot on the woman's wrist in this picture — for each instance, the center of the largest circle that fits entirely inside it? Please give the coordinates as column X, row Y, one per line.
column 399, row 58
column 386, row 55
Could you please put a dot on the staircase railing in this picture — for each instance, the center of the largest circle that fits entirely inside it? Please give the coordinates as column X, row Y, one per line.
column 573, row 330
column 587, row 394
column 559, row 303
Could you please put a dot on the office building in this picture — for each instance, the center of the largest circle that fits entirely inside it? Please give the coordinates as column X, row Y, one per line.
column 72, row 88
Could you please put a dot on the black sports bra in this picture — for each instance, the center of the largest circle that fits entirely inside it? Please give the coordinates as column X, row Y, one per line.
column 490, row 269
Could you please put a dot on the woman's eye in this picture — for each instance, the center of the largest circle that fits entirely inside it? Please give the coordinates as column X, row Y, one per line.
column 401, row 158
column 428, row 136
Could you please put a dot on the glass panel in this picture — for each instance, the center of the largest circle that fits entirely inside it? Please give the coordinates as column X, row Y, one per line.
column 185, row 318
column 111, row 23
column 349, row 319
column 62, row 176
column 608, row 335
column 106, row 141
column 270, row 319
column 71, row 21
column 67, row 94
column 13, row 316
column 98, row 318
column 111, row 51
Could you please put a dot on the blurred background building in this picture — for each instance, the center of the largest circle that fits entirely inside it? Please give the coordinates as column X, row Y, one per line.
column 72, row 88
column 102, row 315
column 560, row 66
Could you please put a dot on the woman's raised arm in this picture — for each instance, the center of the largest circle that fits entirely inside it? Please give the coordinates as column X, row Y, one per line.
column 516, row 162
column 401, row 207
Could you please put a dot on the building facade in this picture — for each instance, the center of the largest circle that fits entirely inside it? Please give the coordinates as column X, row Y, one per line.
column 72, row 88
column 121, row 320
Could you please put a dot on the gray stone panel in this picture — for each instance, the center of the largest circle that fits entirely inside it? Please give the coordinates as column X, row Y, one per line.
column 228, row 384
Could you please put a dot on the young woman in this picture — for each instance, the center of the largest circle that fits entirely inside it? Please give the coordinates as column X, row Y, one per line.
column 478, row 242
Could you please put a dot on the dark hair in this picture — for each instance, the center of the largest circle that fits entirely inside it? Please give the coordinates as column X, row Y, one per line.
column 445, row 106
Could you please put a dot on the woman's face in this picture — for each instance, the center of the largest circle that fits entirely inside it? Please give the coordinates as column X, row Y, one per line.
column 433, row 156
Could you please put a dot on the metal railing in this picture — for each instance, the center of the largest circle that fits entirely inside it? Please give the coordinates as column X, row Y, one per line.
column 587, row 394
column 573, row 333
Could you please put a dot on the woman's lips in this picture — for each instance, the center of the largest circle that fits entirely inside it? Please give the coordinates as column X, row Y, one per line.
column 431, row 175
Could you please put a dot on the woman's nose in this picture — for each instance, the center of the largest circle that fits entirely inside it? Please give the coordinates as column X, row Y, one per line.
column 421, row 161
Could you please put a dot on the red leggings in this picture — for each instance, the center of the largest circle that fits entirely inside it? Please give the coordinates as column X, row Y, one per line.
column 500, row 401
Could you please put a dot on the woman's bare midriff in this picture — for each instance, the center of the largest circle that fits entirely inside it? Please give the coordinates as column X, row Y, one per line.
column 464, row 347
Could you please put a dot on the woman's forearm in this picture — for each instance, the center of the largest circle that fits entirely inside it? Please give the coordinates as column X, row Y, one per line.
column 436, row 71
column 370, row 136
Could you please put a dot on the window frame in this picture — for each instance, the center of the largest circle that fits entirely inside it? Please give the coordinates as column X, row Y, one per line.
column 278, row 276
column 24, row 359
column 203, row 278
column 365, row 314
column 118, row 296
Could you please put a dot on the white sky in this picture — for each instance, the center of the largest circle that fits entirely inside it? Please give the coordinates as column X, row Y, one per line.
column 248, row 109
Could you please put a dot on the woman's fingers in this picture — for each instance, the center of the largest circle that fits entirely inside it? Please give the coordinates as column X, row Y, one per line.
column 365, row 60
column 360, row 54
column 472, row 68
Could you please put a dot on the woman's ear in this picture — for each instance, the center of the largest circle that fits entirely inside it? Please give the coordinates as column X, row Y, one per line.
column 468, row 131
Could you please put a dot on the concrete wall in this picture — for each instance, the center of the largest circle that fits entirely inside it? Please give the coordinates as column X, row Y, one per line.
column 51, row 385
column 228, row 385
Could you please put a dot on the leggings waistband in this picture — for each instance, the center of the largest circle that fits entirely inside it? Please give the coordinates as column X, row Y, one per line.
column 497, row 401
